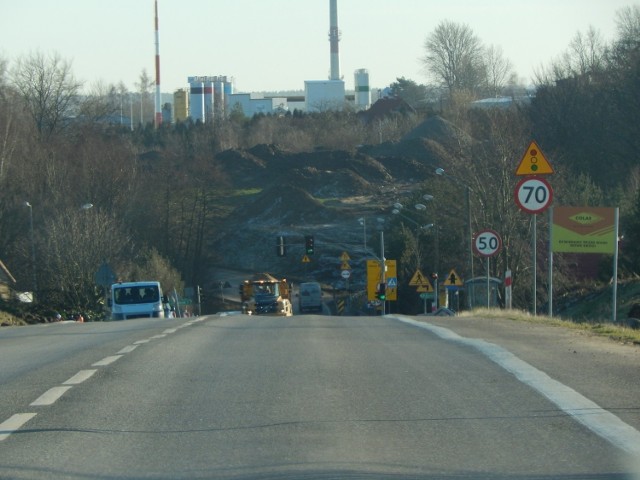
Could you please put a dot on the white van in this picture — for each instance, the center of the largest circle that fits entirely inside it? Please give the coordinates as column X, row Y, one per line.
column 136, row 300
column 310, row 294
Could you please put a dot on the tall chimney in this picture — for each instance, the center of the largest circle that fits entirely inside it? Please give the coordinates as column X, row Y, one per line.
column 158, row 102
column 334, row 38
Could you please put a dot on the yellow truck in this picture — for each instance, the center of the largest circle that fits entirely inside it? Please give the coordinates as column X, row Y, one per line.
column 264, row 294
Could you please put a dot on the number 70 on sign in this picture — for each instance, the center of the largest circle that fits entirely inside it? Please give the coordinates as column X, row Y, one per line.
column 533, row 194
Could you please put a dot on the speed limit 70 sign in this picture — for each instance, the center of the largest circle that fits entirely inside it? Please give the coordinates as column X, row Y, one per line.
column 533, row 194
column 487, row 243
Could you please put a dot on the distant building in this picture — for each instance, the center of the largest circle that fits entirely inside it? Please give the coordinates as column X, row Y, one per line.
column 323, row 95
column 180, row 105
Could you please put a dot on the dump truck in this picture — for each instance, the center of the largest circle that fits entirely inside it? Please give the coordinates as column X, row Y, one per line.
column 264, row 294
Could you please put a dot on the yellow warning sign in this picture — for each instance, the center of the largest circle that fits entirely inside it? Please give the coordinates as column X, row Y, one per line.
column 419, row 280
column 374, row 277
column 428, row 288
column 534, row 162
column 453, row 279
column 345, row 257
column 345, row 266
column 306, row 259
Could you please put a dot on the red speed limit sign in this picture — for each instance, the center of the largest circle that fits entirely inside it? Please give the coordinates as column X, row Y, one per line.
column 533, row 194
column 487, row 243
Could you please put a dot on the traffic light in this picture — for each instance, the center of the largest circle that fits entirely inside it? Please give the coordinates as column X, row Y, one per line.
column 381, row 294
column 308, row 244
column 280, row 248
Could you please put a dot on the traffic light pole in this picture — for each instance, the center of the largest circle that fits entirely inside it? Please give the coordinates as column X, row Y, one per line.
column 383, row 273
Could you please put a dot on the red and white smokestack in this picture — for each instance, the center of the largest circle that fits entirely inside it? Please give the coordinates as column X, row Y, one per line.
column 158, row 116
column 334, row 38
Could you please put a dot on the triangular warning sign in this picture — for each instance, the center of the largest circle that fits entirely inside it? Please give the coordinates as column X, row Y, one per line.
column 345, row 266
column 453, row 279
column 306, row 259
column 534, row 162
column 418, row 279
column 345, row 257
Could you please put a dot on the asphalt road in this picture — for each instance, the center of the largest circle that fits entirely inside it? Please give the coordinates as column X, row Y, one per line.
column 247, row 397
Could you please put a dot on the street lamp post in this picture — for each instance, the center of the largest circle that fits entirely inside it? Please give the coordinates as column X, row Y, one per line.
column 397, row 207
column 363, row 222
column 33, row 251
column 467, row 188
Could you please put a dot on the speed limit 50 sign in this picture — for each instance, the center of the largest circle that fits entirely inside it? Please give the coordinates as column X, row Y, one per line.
column 487, row 243
column 533, row 194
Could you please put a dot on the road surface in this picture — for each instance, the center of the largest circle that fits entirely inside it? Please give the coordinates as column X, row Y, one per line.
column 245, row 397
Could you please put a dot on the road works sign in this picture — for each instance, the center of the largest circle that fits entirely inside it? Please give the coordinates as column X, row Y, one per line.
column 374, row 277
column 534, row 162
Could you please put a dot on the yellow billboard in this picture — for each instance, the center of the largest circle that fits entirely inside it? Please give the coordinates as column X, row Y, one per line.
column 584, row 230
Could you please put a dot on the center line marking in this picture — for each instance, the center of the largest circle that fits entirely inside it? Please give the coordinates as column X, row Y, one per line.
column 107, row 361
column 13, row 423
column 80, row 377
column 49, row 397
column 128, row 349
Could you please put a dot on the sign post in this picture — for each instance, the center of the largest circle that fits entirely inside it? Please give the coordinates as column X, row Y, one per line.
column 533, row 194
column 487, row 243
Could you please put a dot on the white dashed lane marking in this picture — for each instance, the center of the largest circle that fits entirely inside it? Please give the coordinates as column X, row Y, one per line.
column 80, row 377
column 128, row 349
column 16, row 421
column 107, row 361
column 50, row 396
column 13, row 423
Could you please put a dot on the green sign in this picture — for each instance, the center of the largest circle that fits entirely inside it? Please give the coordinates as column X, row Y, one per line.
column 584, row 229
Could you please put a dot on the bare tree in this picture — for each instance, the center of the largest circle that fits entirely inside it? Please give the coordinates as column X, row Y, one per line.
column 499, row 70
column 101, row 102
column 77, row 242
column 454, row 57
column 144, row 85
column 49, row 91
column 628, row 23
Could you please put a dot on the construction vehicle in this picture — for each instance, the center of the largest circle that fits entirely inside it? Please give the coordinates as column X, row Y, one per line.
column 263, row 294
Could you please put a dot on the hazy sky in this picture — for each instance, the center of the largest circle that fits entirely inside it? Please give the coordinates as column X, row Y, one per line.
column 270, row 45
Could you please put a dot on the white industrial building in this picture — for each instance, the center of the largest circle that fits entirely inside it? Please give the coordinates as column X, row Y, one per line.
column 213, row 97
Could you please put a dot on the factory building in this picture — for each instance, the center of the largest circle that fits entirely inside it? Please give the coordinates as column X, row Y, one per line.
column 207, row 97
column 212, row 97
column 362, row 90
column 323, row 95
column 181, row 105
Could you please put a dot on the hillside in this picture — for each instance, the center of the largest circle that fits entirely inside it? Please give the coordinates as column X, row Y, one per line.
column 323, row 193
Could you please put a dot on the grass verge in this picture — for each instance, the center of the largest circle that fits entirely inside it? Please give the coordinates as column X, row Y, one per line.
column 618, row 333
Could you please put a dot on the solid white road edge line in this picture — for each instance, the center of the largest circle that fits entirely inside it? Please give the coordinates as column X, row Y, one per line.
column 588, row 413
column 13, row 423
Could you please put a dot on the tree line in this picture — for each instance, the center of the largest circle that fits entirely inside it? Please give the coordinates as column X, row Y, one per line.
column 158, row 195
